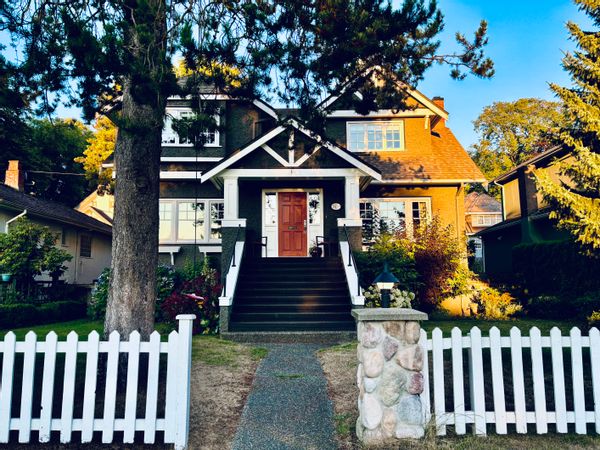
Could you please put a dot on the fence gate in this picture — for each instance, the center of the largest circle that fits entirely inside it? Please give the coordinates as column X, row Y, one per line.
column 512, row 380
column 40, row 379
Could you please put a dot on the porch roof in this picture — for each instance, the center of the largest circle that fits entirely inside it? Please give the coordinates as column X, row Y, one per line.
column 366, row 169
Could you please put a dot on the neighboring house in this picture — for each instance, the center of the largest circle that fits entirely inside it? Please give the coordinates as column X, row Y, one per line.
column 266, row 179
column 86, row 239
column 99, row 206
column 525, row 213
column 481, row 211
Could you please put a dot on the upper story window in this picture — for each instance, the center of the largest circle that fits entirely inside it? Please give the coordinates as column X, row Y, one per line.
column 375, row 136
column 487, row 219
column 189, row 221
column 171, row 138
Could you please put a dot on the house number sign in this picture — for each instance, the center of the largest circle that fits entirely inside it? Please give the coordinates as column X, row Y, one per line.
column 336, row 206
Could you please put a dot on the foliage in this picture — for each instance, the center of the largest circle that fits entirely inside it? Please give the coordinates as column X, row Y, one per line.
column 494, row 305
column 594, row 319
column 398, row 298
column 512, row 132
column 388, row 248
column 438, row 255
column 99, row 147
column 199, row 296
column 24, row 314
column 555, row 267
column 564, row 306
column 166, row 280
column 27, row 250
column 576, row 205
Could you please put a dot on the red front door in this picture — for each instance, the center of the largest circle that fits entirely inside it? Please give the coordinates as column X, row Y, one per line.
column 292, row 224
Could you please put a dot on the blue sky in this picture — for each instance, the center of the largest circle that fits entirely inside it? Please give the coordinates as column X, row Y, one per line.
column 527, row 41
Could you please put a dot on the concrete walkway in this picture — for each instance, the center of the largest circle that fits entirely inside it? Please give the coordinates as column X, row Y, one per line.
column 288, row 407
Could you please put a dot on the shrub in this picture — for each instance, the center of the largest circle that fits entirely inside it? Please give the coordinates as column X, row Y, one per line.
column 61, row 311
column 17, row 315
column 494, row 305
column 549, row 307
column 584, row 305
column 398, row 298
column 199, row 296
column 555, row 267
column 393, row 250
column 438, row 255
column 594, row 319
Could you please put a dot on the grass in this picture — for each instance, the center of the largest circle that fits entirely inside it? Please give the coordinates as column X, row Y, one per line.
column 289, row 376
column 446, row 324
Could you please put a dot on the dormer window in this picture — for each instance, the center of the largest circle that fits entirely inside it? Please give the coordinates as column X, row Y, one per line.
column 375, row 136
column 171, row 138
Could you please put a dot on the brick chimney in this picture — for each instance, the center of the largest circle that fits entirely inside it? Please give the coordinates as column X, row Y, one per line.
column 438, row 101
column 14, row 176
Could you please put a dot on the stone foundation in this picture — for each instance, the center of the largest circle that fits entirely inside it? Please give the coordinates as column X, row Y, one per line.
column 389, row 375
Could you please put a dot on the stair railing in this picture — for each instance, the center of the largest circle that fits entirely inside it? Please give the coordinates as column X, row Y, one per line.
column 231, row 276
column 352, row 262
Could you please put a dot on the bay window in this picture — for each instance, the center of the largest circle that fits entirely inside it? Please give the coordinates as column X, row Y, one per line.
column 189, row 221
column 375, row 136
column 393, row 215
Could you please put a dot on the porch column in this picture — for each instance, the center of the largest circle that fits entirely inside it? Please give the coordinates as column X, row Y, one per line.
column 352, row 222
column 352, row 197
column 231, row 197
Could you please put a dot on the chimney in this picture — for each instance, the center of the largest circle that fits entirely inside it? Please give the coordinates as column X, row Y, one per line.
column 14, row 176
column 439, row 102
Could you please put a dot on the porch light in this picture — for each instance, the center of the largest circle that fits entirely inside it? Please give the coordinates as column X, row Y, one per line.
column 385, row 282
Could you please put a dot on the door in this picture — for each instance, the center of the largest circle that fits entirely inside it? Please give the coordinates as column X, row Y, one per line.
column 292, row 224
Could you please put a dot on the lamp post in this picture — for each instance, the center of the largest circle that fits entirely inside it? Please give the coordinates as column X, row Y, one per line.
column 385, row 281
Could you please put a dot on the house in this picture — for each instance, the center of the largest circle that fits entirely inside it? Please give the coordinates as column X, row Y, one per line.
column 99, row 206
column 265, row 185
column 481, row 211
column 525, row 213
column 86, row 239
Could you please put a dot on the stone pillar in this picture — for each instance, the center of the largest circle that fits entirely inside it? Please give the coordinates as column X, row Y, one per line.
column 389, row 375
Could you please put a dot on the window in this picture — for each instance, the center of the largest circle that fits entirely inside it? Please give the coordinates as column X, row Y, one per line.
column 314, row 208
column 374, row 136
column 170, row 136
column 270, row 208
column 487, row 220
column 63, row 237
column 393, row 215
column 85, row 246
column 189, row 221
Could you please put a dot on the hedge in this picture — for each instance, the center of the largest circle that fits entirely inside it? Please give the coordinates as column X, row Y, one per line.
column 555, row 267
column 18, row 315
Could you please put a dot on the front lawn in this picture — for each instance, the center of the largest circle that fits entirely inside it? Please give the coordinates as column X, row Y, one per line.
column 446, row 324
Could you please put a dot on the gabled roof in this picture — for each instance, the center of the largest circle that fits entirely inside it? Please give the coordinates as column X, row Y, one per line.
column 414, row 93
column 541, row 159
column 477, row 202
column 291, row 123
column 46, row 209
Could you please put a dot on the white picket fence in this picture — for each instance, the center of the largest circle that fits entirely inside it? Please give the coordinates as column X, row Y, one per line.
column 174, row 424
column 487, row 351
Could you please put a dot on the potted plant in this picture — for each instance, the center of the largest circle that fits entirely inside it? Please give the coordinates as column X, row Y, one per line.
column 315, row 251
column 6, row 277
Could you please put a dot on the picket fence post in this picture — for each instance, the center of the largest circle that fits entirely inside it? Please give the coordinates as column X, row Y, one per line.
column 184, row 363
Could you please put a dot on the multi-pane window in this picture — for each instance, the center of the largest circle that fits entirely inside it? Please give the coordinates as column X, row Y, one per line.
column 190, row 221
column 170, row 136
column 314, row 208
column 487, row 219
column 270, row 208
column 374, row 136
column 392, row 215
column 85, row 245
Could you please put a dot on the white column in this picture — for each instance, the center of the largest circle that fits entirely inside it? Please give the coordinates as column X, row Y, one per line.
column 231, row 197
column 352, row 193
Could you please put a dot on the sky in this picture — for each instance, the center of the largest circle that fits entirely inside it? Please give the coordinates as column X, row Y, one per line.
column 527, row 41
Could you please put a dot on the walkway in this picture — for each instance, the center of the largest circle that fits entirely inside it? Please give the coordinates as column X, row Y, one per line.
column 288, row 407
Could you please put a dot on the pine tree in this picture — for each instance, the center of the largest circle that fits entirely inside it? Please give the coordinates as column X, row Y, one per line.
column 576, row 204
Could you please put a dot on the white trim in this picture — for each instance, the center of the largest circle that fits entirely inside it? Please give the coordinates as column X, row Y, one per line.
column 180, row 174
column 171, row 249
column 499, row 213
column 233, row 223
column 173, row 238
column 210, row 249
column 350, row 113
column 276, row 156
column 398, row 123
column 408, row 211
column 351, row 275
column 349, row 222
column 292, row 172
column 187, row 109
column 226, row 298
column 190, row 159
column 265, row 107
column 228, row 162
column 306, row 156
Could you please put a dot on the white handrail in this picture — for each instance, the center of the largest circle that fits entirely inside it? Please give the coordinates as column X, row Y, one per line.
column 226, row 298
column 358, row 299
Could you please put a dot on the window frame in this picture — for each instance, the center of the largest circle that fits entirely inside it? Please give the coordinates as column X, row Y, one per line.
column 173, row 238
column 168, row 130
column 384, row 148
column 91, row 238
column 408, row 210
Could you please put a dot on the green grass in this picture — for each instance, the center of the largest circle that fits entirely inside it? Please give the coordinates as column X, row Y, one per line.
column 344, row 424
column 465, row 324
column 258, row 353
column 289, row 376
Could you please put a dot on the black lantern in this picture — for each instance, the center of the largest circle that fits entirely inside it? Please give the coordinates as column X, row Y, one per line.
column 385, row 282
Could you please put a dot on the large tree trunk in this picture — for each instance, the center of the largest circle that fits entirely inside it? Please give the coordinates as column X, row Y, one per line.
column 132, row 293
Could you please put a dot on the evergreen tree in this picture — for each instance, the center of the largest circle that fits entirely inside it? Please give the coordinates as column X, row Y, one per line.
column 80, row 49
column 576, row 202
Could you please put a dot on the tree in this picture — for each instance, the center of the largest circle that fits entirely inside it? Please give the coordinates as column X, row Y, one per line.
column 82, row 49
column 51, row 148
column 512, row 132
column 576, row 203
column 27, row 250
column 100, row 146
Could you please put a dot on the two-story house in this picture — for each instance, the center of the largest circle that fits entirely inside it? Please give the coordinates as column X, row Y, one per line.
column 266, row 186
column 481, row 211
